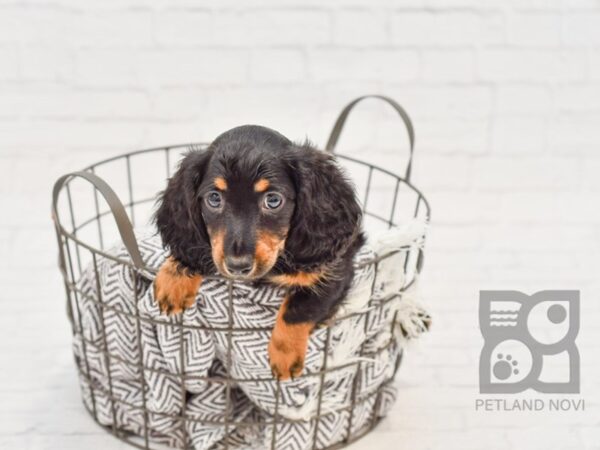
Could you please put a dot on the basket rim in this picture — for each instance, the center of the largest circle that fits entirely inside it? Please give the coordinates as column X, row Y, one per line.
column 204, row 145
column 149, row 271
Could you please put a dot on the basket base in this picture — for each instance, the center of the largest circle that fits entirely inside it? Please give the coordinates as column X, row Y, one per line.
column 138, row 441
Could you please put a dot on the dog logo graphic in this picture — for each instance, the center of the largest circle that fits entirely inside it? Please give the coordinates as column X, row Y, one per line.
column 529, row 342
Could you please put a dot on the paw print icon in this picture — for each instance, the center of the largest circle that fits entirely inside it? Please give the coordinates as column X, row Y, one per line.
column 529, row 342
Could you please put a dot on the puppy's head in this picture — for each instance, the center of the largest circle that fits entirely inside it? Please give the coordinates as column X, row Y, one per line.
column 251, row 195
column 247, row 200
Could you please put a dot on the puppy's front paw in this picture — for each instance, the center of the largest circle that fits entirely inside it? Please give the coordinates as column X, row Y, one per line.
column 175, row 289
column 172, row 302
column 287, row 361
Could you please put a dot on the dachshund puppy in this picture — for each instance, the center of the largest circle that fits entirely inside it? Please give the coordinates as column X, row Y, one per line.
column 255, row 206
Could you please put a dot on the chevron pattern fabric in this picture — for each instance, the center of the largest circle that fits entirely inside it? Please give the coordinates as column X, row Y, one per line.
column 187, row 381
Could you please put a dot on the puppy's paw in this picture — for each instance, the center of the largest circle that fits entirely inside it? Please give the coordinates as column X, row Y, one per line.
column 286, row 359
column 170, row 304
column 175, row 289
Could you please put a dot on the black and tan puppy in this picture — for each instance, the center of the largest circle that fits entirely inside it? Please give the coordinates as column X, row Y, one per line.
column 255, row 206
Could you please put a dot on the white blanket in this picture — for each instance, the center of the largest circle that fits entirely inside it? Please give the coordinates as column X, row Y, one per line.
column 374, row 338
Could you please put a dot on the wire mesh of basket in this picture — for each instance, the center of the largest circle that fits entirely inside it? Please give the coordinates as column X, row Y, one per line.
column 88, row 220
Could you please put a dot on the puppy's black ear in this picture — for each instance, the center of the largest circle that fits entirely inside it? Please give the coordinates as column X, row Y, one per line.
column 179, row 216
column 327, row 216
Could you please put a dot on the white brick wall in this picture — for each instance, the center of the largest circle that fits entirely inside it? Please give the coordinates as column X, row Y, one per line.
column 505, row 96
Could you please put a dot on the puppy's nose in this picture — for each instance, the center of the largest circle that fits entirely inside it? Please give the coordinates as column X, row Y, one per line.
column 239, row 265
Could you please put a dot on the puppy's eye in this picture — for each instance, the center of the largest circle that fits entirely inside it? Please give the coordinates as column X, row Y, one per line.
column 273, row 200
column 214, row 199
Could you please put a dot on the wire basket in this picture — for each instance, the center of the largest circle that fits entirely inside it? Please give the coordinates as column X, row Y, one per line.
column 87, row 219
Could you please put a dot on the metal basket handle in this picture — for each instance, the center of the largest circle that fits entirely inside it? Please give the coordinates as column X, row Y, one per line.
column 341, row 120
column 116, row 207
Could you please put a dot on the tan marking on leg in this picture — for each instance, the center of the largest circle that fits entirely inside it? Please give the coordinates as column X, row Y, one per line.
column 288, row 345
column 220, row 183
column 261, row 185
column 175, row 288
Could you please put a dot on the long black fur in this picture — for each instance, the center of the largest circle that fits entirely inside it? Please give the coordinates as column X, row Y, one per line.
column 324, row 228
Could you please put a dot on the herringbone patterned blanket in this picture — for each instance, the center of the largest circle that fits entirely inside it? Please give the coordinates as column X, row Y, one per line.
column 176, row 375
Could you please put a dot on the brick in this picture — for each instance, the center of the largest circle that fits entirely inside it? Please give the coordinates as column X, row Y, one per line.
column 372, row 65
column 263, row 105
column 538, row 436
column 578, row 98
column 74, row 104
column 524, row 99
column 447, row 28
column 115, row 6
column 528, row 207
column 234, row 5
column 185, row 27
column 10, row 63
column 6, row 174
column 39, row 242
column 462, row 237
column 473, row 102
column 177, row 104
column 108, row 67
column 591, row 174
column 108, row 28
column 502, row 65
column 59, row 135
column 230, row 28
column 426, row 105
column 459, row 4
column 448, row 65
column 360, row 27
column 590, row 436
column 550, row 5
column 595, row 65
column 519, row 135
column 576, row 209
column 414, row 419
column 277, row 66
column 35, row 25
column 179, row 131
column 451, row 135
column 437, row 357
column 574, row 134
column 47, row 63
column 21, row 207
column 194, row 67
column 534, row 29
column 582, row 28
column 107, row 105
column 458, row 377
column 6, row 242
column 189, row 67
column 40, row 169
column 525, row 173
column 10, row 20
column 442, row 173
column 416, row 4
column 294, row 27
column 462, row 209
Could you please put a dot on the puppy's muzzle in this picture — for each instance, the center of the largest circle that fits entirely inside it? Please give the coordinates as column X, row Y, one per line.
column 239, row 266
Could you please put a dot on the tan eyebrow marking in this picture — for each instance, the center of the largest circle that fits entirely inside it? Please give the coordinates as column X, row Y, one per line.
column 261, row 185
column 220, row 183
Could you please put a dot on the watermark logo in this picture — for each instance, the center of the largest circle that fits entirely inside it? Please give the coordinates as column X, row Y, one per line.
column 529, row 342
